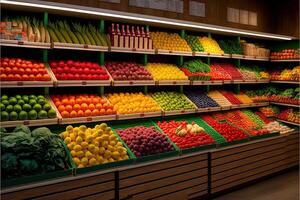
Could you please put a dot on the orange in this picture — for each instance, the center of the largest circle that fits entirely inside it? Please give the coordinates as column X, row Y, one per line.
column 65, row 101
column 91, row 106
column 88, row 113
column 103, row 101
column 61, row 108
column 105, row 105
column 78, row 100
column 95, row 112
column 88, row 100
column 84, row 106
column 95, row 101
column 83, row 99
column 69, row 108
column 73, row 114
column 109, row 111
column 72, row 101
column 80, row 113
column 102, row 112
column 98, row 106
column 57, row 103
column 76, row 107
column 65, row 114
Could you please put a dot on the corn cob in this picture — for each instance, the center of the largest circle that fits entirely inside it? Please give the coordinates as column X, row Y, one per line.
column 47, row 36
column 36, row 31
column 57, row 33
column 64, row 32
column 52, row 34
column 30, row 34
column 24, row 25
column 43, row 33
column 107, row 40
column 78, row 28
column 71, row 34
column 79, row 37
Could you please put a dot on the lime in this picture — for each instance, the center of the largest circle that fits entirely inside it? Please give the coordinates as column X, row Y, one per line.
column 21, row 102
column 47, row 106
column 43, row 114
column 26, row 107
column 18, row 97
column 5, row 102
column 2, row 106
column 9, row 108
column 25, row 98
column 51, row 113
column 32, row 97
column 37, row 107
column 41, row 101
column 23, row 115
column 32, row 114
column 13, row 116
column 4, row 116
column 4, row 97
column 41, row 97
column 17, row 108
column 32, row 102
column 13, row 101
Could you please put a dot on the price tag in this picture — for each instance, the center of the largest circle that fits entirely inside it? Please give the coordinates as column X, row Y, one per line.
column 212, row 81
column 26, row 123
column 20, row 42
column 134, row 49
column 84, row 83
column 208, row 53
column 193, row 53
column 183, row 111
column 89, row 119
column 130, row 82
column 156, row 51
column 19, row 83
column 85, row 46
column 170, row 51
column 174, row 82
column 142, row 115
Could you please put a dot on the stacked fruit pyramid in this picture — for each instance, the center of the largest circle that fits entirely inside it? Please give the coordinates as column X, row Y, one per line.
column 162, row 71
column 169, row 41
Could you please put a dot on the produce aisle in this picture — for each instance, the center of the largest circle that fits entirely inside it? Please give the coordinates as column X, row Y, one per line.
column 102, row 109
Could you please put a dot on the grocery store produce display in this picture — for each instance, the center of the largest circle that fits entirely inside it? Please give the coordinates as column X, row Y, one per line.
column 27, row 153
column 210, row 45
column 230, row 97
column 290, row 115
column 218, row 73
column 277, row 127
column 78, row 70
column 145, row 141
column 127, row 71
column 242, row 97
column 219, row 98
column 82, row 105
column 17, row 69
column 163, row 71
column 285, row 54
column 200, row 99
column 170, row 101
column 93, row 146
column 258, row 50
column 269, row 111
column 128, row 103
column 194, row 43
column 231, row 70
column 253, row 72
column 196, row 70
column 231, row 46
column 286, row 74
column 184, row 134
column 169, row 41
column 25, row 107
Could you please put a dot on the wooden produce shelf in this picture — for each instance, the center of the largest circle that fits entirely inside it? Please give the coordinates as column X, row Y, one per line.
column 173, row 82
column 214, row 82
column 82, row 47
column 26, row 84
column 285, row 104
column 286, row 82
column 249, row 105
column 256, row 81
column 288, row 60
column 132, row 82
column 212, row 55
column 244, row 57
column 131, row 50
column 173, row 53
column 209, row 109
column 287, row 122
column 25, row 44
column 36, row 122
column 90, row 119
column 179, row 112
column 138, row 115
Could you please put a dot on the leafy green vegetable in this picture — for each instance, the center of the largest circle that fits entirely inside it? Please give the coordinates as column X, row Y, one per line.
column 231, row 46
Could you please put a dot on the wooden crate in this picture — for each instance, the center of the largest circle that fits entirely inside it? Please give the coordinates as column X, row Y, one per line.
column 240, row 164
column 93, row 187
column 183, row 177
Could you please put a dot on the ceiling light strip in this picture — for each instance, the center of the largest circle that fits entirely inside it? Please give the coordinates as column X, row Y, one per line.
column 150, row 19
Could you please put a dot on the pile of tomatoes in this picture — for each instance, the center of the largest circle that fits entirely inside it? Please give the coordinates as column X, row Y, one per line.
column 218, row 73
column 85, row 105
column 16, row 69
column 285, row 54
column 189, row 140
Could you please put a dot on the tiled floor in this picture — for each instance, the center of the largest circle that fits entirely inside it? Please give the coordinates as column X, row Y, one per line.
column 281, row 187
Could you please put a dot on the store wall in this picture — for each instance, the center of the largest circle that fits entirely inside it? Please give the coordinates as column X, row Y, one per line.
column 273, row 16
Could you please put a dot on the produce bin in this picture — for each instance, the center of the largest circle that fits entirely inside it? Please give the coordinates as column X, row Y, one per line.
column 146, row 123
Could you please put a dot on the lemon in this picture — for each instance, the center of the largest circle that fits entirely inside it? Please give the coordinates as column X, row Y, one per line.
column 81, row 134
column 111, row 160
column 97, row 127
column 105, row 161
column 115, row 155
column 84, row 144
column 125, row 157
column 88, row 154
column 72, row 136
column 79, row 140
column 73, row 153
column 79, row 154
column 92, row 161
column 76, row 161
column 119, row 144
column 103, row 126
column 101, row 150
column 71, row 145
column 99, row 139
column 100, row 132
column 105, row 137
column 104, row 143
column 67, row 140
column 112, row 137
column 76, row 130
column 120, row 149
column 91, row 147
column 77, row 147
column 96, row 150
column 107, row 154
column 81, row 166
column 107, row 129
column 96, row 143
column 112, row 143
column 89, row 138
column 99, row 159
column 110, row 148
column 69, row 128
column 82, row 128
column 95, row 134
column 84, row 161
